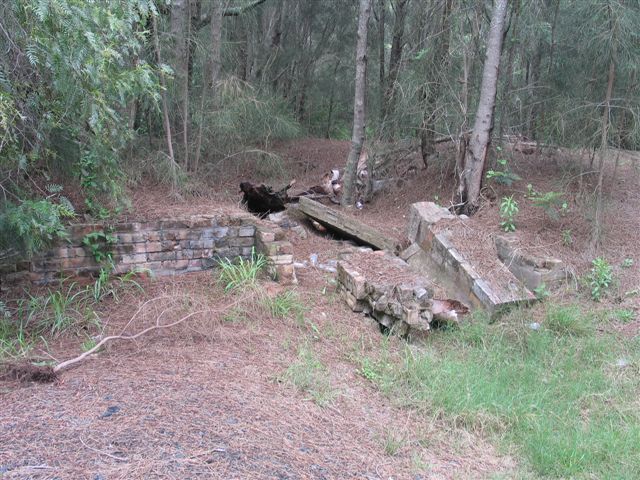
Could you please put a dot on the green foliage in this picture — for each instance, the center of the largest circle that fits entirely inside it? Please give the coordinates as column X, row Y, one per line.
column 241, row 273
column 245, row 115
column 32, row 225
column 100, row 245
column 504, row 176
column 108, row 285
column 567, row 238
column 286, row 304
column 508, row 211
column 541, row 291
column 554, row 395
column 624, row 315
column 600, row 278
column 56, row 312
column 69, row 71
column 311, row 376
column 567, row 321
column 553, row 203
column 627, row 263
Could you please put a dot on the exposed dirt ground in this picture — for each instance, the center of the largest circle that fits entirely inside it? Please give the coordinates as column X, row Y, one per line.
column 211, row 399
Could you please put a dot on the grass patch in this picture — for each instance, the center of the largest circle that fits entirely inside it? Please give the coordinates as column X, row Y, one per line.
column 241, row 273
column 286, row 304
column 310, row 375
column 555, row 394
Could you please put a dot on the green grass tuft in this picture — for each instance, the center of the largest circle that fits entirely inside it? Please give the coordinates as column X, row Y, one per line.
column 241, row 273
column 311, row 376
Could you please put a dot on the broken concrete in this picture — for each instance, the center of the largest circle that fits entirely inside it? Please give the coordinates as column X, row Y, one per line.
column 530, row 269
column 384, row 287
column 434, row 254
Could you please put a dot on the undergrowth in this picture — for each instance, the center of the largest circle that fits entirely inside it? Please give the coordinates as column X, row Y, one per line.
column 37, row 318
column 243, row 273
column 311, row 376
column 564, row 396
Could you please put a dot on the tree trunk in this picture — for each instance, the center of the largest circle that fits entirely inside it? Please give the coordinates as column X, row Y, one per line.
column 209, row 89
column 331, row 101
column 395, row 58
column 358, row 108
column 506, row 91
column 165, row 107
column 604, row 143
column 476, row 154
column 179, row 29
column 381, row 57
column 441, row 50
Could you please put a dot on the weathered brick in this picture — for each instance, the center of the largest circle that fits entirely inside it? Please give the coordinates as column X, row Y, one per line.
column 161, row 256
column 241, row 242
column 175, row 264
column 266, row 236
column 247, row 231
column 153, row 246
column 281, row 259
column 134, row 258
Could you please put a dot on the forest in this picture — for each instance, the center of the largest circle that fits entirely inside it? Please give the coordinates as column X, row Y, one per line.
column 270, row 152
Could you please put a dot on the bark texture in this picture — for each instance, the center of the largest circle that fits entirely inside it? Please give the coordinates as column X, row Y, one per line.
column 476, row 154
column 359, row 117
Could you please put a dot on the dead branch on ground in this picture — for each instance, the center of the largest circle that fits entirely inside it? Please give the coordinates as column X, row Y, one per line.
column 48, row 374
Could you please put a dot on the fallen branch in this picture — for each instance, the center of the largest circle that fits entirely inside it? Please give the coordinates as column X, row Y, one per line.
column 49, row 374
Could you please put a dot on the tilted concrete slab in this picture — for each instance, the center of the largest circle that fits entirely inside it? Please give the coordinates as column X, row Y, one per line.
column 440, row 260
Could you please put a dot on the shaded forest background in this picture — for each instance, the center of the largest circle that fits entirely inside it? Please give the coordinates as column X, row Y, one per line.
column 98, row 97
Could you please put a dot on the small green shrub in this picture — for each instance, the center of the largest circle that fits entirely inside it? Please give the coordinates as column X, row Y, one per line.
column 504, row 176
column 600, row 278
column 541, row 291
column 241, row 273
column 508, row 210
column 32, row 226
column 553, row 203
column 627, row 263
column 567, row 238
column 100, row 245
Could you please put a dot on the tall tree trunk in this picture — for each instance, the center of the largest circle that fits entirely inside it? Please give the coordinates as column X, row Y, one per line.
column 604, row 144
column 180, row 20
column 441, row 50
column 476, row 154
column 395, row 59
column 506, row 91
column 210, row 88
column 381, row 10
column 165, row 107
column 359, row 119
column 332, row 101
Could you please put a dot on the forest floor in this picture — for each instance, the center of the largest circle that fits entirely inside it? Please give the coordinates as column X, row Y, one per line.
column 313, row 390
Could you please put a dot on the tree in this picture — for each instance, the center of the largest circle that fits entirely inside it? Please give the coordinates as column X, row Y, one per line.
column 477, row 150
column 431, row 92
column 395, row 59
column 359, row 114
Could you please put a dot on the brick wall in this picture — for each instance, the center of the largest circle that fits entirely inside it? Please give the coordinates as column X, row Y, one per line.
column 165, row 247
